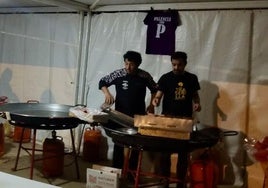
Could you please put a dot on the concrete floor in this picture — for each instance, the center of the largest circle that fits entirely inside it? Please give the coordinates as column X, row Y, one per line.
column 67, row 180
column 69, row 177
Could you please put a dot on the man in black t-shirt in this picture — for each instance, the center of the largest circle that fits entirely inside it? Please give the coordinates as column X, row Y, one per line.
column 179, row 90
column 130, row 85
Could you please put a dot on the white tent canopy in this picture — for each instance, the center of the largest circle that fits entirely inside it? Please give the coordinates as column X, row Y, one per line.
column 58, row 51
column 123, row 5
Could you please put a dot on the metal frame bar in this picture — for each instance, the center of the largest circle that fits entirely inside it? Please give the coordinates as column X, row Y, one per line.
column 67, row 4
column 185, row 6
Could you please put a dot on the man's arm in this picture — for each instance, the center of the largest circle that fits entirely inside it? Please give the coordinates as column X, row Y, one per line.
column 109, row 98
column 150, row 108
column 196, row 102
column 107, row 81
column 157, row 98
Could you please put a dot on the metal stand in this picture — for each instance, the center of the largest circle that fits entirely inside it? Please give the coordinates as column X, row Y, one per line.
column 138, row 172
column 33, row 149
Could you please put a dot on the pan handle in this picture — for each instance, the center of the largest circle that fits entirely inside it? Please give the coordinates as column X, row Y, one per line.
column 230, row 133
column 117, row 134
column 32, row 101
column 82, row 105
column 2, row 115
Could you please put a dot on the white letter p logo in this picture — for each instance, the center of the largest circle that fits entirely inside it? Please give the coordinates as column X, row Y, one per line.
column 160, row 29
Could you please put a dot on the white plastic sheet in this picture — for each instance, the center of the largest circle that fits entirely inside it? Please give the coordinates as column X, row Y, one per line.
column 226, row 49
column 223, row 51
column 38, row 56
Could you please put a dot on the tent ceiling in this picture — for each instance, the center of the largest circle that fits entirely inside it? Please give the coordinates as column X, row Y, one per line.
column 128, row 2
column 86, row 5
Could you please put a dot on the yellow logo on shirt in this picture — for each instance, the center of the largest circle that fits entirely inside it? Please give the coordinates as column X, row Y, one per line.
column 180, row 92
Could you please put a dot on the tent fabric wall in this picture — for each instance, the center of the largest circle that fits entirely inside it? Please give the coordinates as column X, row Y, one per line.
column 39, row 58
column 227, row 49
column 220, row 45
column 41, row 49
column 259, row 75
column 212, row 40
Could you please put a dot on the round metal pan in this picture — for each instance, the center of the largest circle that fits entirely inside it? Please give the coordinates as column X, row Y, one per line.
column 39, row 115
column 207, row 137
column 126, row 131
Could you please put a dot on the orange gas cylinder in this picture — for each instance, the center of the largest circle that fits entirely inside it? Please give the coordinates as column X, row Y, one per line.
column 18, row 132
column 3, row 100
column 27, row 132
column 2, row 140
column 204, row 173
column 53, row 156
column 91, row 146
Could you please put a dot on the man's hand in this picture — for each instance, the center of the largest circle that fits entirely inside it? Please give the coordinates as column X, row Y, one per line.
column 150, row 109
column 156, row 101
column 109, row 98
column 196, row 107
column 157, row 98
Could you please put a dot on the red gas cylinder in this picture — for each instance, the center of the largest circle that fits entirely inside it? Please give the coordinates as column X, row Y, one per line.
column 53, row 156
column 204, row 173
column 27, row 132
column 18, row 132
column 3, row 100
column 91, row 146
column 2, row 140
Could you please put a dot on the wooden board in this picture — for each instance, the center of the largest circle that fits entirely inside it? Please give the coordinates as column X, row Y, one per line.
column 162, row 126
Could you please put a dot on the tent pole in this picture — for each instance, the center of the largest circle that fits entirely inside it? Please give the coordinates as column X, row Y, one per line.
column 79, row 60
column 93, row 5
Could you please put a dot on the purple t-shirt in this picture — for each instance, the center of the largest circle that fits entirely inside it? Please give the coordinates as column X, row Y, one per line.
column 161, row 31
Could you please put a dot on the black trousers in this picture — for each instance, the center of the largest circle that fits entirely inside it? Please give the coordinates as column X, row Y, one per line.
column 181, row 168
column 118, row 158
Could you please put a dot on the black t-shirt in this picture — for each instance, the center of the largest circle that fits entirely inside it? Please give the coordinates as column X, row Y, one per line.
column 130, row 90
column 161, row 31
column 178, row 93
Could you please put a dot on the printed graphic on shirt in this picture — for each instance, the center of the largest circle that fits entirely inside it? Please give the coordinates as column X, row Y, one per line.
column 161, row 31
column 180, row 92
column 125, row 85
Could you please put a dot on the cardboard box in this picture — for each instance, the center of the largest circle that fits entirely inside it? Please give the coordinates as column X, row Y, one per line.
column 162, row 126
column 103, row 177
column 88, row 114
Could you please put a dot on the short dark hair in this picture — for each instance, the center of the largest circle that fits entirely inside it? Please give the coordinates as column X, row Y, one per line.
column 179, row 55
column 133, row 57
